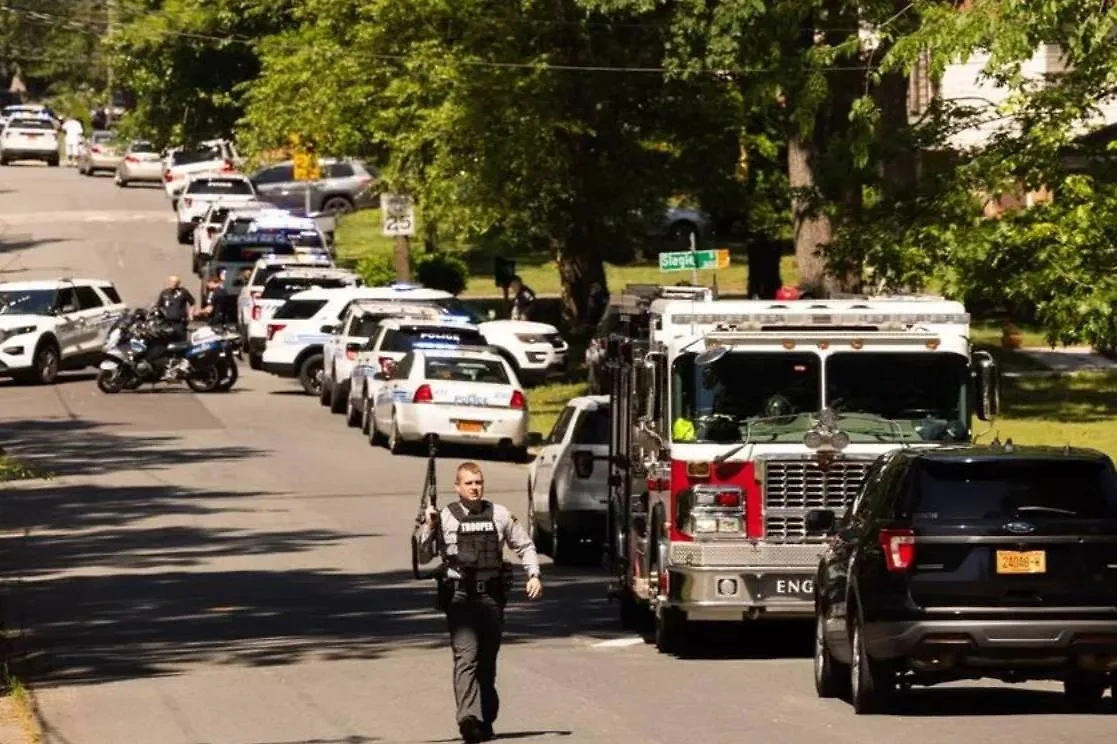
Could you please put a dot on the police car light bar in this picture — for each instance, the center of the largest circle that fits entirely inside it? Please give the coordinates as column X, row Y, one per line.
column 756, row 321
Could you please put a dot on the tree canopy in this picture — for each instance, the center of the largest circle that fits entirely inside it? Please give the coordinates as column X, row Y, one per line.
column 561, row 128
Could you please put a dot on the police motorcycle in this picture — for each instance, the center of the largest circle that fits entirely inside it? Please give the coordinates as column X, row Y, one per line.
column 202, row 361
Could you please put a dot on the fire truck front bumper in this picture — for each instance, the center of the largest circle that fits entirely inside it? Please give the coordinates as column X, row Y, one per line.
column 778, row 582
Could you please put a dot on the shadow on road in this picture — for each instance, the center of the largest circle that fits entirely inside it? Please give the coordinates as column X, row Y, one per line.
column 992, row 701
column 78, row 447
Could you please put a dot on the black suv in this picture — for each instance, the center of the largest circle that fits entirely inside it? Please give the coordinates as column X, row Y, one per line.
column 968, row 562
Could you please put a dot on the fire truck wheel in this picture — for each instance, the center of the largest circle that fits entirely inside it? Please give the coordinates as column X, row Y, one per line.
column 632, row 614
column 671, row 632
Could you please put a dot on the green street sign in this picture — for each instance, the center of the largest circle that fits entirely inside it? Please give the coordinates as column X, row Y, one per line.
column 693, row 260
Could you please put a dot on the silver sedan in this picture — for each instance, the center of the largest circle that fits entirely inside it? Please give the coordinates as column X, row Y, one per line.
column 141, row 164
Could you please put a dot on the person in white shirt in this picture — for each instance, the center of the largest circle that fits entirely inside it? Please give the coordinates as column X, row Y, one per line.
column 74, row 133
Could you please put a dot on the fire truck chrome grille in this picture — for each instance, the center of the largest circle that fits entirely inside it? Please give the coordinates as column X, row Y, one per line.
column 794, row 487
column 743, row 554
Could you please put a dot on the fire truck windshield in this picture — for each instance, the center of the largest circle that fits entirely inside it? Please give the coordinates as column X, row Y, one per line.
column 775, row 396
column 926, row 394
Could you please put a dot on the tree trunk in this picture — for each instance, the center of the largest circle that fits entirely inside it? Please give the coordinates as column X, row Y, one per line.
column 811, row 228
column 579, row 268
column 403, row 259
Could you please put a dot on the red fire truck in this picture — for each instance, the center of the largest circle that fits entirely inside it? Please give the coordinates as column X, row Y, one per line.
column 731, row 419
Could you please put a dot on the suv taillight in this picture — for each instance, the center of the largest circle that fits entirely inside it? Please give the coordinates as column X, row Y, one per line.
column 423, row 395
column 517, row 400
column 167, row 176
column 274, row 328
column 899, row 549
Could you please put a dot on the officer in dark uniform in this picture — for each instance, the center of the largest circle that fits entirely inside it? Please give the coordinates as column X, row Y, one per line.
column 177, row 305
column 219, row 305
column 523, row 299
column 474, row 591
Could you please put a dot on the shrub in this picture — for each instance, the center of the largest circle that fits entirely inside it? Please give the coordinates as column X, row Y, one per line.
column 377, row 269
column 442, row 271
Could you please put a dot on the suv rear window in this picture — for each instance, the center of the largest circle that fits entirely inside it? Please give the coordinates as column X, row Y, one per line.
column 298, row 309
column 594, row 427
column 281, row 289
column 404, row 339
column 219, row 186
column 195, row 155
column 459, row 369
column 1013, row 489
column 31, row 124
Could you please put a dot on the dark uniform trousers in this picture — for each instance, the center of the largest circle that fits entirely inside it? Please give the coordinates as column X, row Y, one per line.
column 476, row 626
column 475, row 613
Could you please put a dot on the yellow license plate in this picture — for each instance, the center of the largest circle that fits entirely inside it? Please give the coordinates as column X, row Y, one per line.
column 1021, row 561
column 471, row 426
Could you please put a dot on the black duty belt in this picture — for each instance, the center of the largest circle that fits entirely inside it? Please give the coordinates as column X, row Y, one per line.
column 479, row 586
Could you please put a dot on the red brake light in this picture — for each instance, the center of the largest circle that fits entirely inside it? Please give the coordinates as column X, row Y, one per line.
column 423, row 395
column 899, row 549
column 274, row 328
column 132, row 159
column 167, row 176
column 517, row 400
column 95, row 148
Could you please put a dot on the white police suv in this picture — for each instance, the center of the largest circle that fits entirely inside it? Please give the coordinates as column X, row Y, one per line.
column 54, row 324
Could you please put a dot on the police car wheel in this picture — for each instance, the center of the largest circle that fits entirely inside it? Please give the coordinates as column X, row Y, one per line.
column 395, row 441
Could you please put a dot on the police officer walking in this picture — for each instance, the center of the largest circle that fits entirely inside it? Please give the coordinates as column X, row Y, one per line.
column 473, row 592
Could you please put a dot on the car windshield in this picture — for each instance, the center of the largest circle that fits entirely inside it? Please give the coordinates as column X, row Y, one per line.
column 281, row 288
column 250, row 248
column 461, row 369
column 926, row 394
column 455, row 308
column 300, row 237
column 26, row 301
column 1004, row 489
column 234, row 186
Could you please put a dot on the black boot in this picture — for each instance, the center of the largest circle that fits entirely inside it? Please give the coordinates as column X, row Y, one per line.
column 472, row 730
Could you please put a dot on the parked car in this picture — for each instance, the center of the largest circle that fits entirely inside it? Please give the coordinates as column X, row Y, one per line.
column 99, row 152
column 29, row 139
column 964, row 562
column 346, row 185
column 141, row 163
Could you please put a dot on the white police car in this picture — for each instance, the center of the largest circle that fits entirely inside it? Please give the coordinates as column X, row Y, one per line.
column 468, row 395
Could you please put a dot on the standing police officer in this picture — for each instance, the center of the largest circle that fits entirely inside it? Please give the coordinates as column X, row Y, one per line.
column 474, row 532
column 177, row 305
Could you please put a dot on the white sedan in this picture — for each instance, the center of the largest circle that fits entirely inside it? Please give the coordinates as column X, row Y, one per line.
column 467, row 395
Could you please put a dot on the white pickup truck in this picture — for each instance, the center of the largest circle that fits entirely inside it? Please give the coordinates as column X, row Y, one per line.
column 210, row 158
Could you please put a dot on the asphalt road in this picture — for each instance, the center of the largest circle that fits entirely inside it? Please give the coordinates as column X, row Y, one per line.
column 232, row 569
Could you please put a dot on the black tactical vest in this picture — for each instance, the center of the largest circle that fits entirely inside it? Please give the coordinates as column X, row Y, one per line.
column 479, row 556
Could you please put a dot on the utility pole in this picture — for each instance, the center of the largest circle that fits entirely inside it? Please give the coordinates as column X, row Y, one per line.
column 111, row 9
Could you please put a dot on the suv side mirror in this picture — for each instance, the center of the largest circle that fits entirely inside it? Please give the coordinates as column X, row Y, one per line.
column 987, row 386
column 820, row 521
column 67, row 309
column 328, row 328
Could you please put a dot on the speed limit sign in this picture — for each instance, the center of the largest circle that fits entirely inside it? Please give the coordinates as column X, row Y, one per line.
column 397, row 215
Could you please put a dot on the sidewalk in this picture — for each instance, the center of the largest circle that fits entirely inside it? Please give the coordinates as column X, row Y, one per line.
column 1066, row 360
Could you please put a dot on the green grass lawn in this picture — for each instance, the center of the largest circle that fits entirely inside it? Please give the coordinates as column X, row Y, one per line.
column 358, row 234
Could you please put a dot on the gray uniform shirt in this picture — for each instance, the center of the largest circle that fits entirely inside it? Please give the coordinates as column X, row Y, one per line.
column 508, row 527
